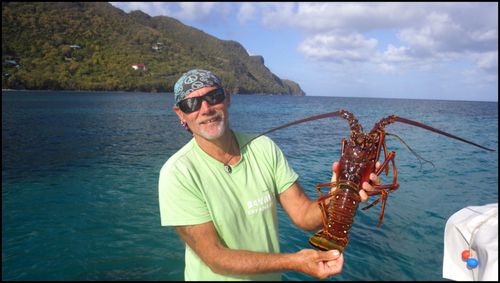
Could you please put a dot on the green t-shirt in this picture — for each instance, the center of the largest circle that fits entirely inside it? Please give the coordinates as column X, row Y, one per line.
column 194, row 189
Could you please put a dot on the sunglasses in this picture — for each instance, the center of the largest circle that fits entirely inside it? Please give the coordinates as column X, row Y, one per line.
column 192, row 104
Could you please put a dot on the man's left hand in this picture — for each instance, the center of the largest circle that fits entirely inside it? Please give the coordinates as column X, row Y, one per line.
column 366, row 186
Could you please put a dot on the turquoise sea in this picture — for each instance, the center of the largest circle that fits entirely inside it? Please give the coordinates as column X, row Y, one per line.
column 80, row 173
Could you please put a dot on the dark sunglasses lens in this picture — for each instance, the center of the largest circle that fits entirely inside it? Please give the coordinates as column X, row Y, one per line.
column 214, row 97
column 190, row 105
column 194, row 103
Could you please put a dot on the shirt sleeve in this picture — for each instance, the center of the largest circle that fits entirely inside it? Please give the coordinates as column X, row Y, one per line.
column 181, row 203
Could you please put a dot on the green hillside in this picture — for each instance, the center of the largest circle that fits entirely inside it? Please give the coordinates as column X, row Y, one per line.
column 92, row 46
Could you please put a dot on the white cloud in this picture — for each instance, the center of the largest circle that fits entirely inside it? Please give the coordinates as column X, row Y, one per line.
column 396, row 54
column 488, row 62
column 195, row 10
column 277, row 14
column 335, row 47
column 431, row 37
column 246, row 12
column 440, row 33
column 387, row 68
column 427, row 32
column 320, row 17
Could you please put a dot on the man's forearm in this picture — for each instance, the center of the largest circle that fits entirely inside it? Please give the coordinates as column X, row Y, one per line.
column 227, row 261
column 203, row 239
column 308, row 261
column 312, row 216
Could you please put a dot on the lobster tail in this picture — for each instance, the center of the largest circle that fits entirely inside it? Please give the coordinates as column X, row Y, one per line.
column 429, row 128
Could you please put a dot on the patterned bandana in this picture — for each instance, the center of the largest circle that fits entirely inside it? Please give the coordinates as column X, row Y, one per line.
column 193, row 80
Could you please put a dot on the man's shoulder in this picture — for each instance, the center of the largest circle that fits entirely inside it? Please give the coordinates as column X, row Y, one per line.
column 181, row 156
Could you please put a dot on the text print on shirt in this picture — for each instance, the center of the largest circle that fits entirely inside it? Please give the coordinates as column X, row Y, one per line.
column 259, row 204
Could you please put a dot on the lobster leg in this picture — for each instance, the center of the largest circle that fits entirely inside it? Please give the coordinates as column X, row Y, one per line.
column 384, row 190
column 386, row 155
column 321, row 201
column 319, row 186
column 382, row 145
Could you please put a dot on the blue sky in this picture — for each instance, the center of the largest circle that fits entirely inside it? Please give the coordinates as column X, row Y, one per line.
column 396, row 50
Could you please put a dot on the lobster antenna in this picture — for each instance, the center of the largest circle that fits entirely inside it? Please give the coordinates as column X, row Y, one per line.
column 417, row 124
column 419, row 158
column 308, row 119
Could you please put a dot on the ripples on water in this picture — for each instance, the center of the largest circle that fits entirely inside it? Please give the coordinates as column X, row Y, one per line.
column 80, row 173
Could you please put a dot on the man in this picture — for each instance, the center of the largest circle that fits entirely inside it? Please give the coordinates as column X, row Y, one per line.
column 221, row 194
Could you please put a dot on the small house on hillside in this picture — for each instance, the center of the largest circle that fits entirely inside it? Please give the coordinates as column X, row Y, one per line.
column 158, row 46
column 140, row 67
column 11, row 63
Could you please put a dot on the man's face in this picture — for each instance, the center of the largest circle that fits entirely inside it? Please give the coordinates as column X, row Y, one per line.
column 210, row 121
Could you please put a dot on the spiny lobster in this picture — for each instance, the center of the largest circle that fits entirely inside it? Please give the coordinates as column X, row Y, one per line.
column 359, row 155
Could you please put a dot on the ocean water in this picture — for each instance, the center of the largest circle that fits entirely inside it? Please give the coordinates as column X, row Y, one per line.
column 80, row 173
